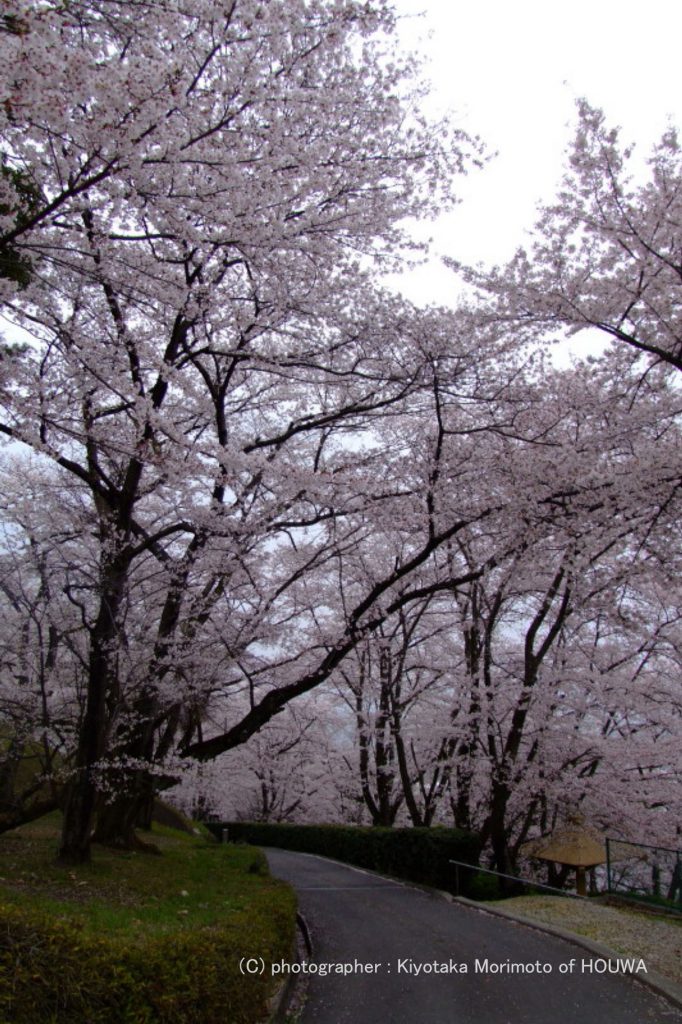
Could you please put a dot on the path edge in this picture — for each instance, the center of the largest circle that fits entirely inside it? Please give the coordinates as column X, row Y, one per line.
column 290, row 996
column 663, row 986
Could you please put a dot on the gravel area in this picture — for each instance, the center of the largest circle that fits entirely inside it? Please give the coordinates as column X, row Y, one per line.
column 658, row 941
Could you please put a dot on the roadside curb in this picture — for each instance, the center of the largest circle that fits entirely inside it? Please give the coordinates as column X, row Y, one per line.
column 669, row 990
column 290, row 996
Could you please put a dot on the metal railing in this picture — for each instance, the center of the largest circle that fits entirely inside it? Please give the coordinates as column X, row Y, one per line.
column 644, row 870
column 513, row 878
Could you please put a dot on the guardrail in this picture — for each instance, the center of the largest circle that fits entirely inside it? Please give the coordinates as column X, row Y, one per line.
column 513, row 878
column 644, row 871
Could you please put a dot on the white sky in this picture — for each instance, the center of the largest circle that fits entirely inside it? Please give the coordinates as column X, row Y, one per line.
column 510, row 72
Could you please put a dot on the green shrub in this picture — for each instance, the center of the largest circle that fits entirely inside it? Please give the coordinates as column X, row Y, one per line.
column 158, row 941
column 419, row 855
column 484, row 887
column 50, row 972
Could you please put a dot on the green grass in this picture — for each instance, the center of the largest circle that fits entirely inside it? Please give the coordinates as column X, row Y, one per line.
column 134, row 937
column 123, row 892
column 649, row 900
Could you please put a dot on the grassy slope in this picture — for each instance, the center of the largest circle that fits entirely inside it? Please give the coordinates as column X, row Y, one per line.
column 138, row 912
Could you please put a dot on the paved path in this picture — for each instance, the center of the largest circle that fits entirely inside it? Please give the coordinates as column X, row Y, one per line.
column 359, row 918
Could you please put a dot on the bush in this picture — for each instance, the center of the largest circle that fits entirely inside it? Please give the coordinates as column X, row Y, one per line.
column 419, row 855
column 166, row 952
column 51, row 973
column 484, row 887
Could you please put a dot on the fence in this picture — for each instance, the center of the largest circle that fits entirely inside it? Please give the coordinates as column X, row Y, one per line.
column 528, row 883
column 645, row 872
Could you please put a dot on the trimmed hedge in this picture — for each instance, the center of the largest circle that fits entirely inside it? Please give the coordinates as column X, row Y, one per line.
column 52, row 974
column 419, row 855
column 143, row 961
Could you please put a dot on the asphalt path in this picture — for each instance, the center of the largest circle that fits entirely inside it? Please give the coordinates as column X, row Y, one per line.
column 387, row 938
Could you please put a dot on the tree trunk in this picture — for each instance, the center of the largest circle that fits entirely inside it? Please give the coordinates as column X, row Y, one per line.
column 81, row 796
column 496, row 829
column 8, row 775
column 82, row 790
column 118, row 818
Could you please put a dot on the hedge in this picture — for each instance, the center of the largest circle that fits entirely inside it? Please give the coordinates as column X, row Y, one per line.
column 59, row 964
column 419, row 855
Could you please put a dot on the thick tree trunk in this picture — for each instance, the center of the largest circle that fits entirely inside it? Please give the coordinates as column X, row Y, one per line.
column 119, row 817
column 82, row 790
column 81, row 799
column 145, row 812
column 78, row 818
column 132, row 792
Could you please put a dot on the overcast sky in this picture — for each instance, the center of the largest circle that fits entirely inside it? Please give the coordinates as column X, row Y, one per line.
column 511, row 72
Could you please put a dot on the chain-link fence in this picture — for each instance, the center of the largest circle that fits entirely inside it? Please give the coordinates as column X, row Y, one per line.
column 645, row 872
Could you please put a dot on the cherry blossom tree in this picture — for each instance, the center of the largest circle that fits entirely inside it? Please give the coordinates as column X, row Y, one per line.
column 201, row 335
column 606, row 255
column 618, row 503
column 292, row 770
column 592, row 501
column 267, row 474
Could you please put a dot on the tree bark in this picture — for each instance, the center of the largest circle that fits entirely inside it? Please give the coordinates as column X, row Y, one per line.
column 81, row 797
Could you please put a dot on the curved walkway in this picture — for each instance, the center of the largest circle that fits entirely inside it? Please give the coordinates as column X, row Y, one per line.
column 387, row 952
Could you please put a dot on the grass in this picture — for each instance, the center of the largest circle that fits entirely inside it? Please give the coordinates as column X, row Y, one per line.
column 199, row 905
column 649, row 900
column 192, row 884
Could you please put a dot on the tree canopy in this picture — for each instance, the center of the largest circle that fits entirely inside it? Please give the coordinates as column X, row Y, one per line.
column 239, row 472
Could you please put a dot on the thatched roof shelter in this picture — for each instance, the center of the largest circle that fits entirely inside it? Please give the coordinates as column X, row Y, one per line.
column 575, row 845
